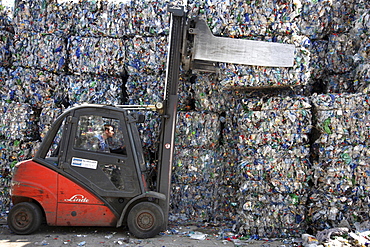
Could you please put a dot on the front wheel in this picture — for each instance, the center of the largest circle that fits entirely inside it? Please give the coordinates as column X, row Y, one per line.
column 24, row 218
column 145, row 220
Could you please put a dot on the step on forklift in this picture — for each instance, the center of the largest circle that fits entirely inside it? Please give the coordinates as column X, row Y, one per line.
column 75, row 180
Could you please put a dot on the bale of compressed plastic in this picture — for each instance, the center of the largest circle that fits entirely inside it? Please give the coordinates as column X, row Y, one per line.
column 272, row 215
column 271, row 136
column 343, row 15
column 36, row 50
column 361, row 58
column 149, row 18
column 92, row 88
column 99, row 55
column 197, row 129
column 119, row 21
column 241, row 19
column 145, row 65
column 314, row 18
column 198, row 166
column 25, row 85
column 200, row 191
column 60, row 18
column 341, row 51
column 328, row 210
column 145, row 89
column 146, row 55
column 17, row 122
column 341, row 159
column 207, row 93
column 107, row 18
column 30, row 15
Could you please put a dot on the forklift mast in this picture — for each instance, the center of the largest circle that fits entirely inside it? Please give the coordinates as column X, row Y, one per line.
column 167, row 136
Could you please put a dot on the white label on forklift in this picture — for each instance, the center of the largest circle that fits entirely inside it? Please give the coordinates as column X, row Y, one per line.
column 90, row 164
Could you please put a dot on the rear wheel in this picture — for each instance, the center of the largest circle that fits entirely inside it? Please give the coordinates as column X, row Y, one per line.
column 145, row 220
column 24, row 218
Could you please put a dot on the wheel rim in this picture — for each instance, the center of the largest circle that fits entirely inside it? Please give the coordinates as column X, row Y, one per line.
column 145, row 221
column 22, row 219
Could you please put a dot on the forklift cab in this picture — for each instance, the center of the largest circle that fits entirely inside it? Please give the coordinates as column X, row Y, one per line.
column 89, row 171
column 110, row 165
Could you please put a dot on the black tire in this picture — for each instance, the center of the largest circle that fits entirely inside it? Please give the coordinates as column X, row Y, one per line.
column 145, row 220
column 24, row 218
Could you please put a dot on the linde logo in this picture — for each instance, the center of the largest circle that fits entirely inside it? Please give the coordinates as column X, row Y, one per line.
column 77, row 198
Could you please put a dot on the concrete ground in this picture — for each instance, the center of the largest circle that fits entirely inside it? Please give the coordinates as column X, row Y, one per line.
column 187, row 236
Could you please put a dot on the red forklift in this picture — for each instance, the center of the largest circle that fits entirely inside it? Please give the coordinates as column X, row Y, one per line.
column 72, row 181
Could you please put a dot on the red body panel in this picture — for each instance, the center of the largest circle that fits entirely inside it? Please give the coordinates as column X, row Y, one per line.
column 78, row 207
column 63, row 201
column 32, row 180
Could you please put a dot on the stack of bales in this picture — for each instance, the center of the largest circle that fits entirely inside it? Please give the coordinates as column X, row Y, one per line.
column 340, row 194
column 16, row 124
column 271, row 138
column 216, row 95
column 203, row 176
column 326, row 60
column 263, row 141
column 243, row 155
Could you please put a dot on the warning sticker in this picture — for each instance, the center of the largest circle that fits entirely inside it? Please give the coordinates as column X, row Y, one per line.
column 90, row 164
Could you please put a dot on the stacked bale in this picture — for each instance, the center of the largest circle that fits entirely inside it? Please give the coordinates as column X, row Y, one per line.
column 271, row 137
column 340, row 168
